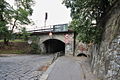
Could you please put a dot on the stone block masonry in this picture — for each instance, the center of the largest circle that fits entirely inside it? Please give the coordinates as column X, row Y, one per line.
column 105, row 58
column 106, row 63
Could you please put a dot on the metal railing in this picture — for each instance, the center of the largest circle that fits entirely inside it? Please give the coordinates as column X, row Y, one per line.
column 52, row 28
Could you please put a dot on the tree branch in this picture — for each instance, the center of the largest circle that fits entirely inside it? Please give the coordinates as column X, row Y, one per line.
column 14, row 25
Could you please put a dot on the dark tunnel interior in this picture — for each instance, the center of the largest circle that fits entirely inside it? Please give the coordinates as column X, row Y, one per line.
column 54, row 45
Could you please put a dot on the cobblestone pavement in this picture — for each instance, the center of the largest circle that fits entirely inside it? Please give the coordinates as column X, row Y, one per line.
column 22, row 67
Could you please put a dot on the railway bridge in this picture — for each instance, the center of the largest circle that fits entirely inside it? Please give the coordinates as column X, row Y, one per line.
column 58, row 38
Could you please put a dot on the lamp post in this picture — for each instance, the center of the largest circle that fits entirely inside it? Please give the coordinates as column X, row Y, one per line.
column 50, row 34
column 46, row 16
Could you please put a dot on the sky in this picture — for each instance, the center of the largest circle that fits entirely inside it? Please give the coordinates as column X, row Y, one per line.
column 57, row 13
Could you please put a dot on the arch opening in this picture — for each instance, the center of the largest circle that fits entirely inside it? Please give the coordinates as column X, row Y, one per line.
column 54, row 45
column 82, row 54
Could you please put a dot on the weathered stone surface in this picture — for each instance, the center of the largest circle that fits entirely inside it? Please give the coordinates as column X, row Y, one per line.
column 106, row 63
column 68, row 41
column 105, row 59
column 22, row 67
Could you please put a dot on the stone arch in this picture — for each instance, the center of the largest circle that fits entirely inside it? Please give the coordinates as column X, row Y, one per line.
column 53, row 46
column 57, row 37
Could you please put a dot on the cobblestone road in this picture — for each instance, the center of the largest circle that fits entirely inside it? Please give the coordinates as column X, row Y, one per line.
column 22, row 67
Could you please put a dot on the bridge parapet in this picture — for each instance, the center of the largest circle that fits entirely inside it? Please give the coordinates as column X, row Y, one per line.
column 52, row 28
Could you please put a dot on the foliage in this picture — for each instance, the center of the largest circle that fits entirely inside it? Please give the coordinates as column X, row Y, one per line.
column 25, row 34
column 16, row 40
column 14, row 16
column 12, row 52
column 86, row 14
column 35, row 48
column 35, row 39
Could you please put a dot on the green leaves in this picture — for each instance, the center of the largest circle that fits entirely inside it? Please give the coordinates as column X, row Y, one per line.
column 22, row 16
column 25, row 35
column 83, row 13
column 23, row 11
column 13, row 16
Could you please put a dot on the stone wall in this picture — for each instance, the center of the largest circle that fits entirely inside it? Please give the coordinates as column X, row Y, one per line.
column 105, row 61
column 105, row 58
column 66, row 38
column 81, row 48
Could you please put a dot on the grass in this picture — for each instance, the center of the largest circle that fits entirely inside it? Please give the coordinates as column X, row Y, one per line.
column 12, row 52
column 18, row 46
column 16, row 40
column 1, row 40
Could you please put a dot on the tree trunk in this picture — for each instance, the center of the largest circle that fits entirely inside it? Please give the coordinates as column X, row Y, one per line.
column 6, row 41
column 13, row 26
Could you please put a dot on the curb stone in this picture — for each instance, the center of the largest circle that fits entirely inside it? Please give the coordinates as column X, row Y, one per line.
column 46, row 74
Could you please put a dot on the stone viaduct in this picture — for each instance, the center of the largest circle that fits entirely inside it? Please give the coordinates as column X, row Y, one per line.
column 52, row 42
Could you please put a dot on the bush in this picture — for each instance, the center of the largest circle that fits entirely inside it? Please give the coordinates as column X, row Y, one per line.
column 35, row 48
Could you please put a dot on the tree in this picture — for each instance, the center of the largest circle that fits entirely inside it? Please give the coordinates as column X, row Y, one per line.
column 86, row 15
column 5, row 11
column 14, row 16
column 25, row 34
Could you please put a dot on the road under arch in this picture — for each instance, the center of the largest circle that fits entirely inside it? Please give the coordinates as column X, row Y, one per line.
column 54, row 45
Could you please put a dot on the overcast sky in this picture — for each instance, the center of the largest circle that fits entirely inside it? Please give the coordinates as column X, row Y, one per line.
column 57, row 13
